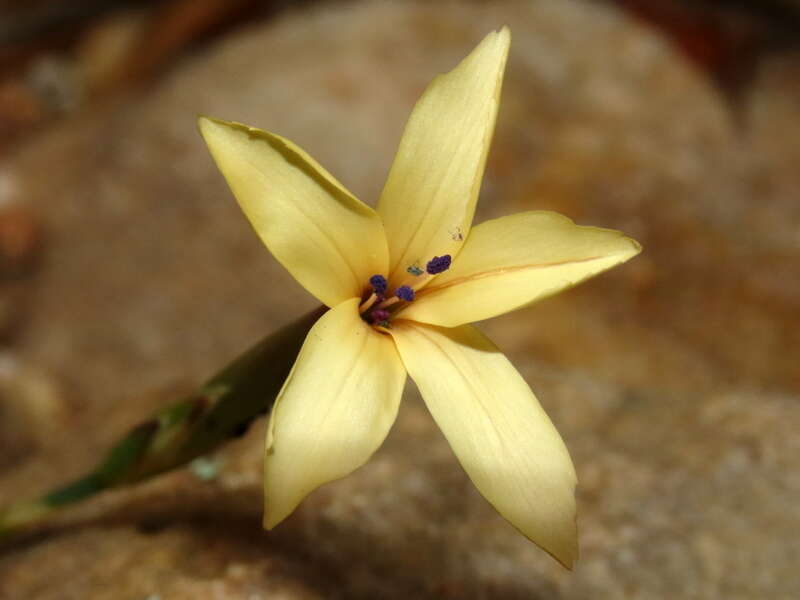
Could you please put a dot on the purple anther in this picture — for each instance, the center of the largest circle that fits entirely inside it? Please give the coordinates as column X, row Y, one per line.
column 438, row 264
column 379, row 316
column 404, row 292
column 379, row 284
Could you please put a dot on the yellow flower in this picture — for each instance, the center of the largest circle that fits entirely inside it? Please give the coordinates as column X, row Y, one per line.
column 398, row 305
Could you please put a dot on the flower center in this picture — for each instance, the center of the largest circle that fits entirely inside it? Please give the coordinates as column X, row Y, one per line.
column 378, row 307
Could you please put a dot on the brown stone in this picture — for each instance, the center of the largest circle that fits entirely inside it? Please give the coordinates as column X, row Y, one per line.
column 673, row 379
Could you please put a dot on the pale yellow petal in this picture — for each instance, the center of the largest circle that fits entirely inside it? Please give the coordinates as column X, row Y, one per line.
column 327, row 239
column 510, row 262
column 429, row 198
column 497, row 429
column 334, row 410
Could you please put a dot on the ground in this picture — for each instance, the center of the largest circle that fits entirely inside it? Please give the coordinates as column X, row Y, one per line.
column 673, row 379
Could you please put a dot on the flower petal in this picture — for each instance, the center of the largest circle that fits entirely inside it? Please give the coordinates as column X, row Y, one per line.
column 334, row 410
column 497, row 429
column 510, row 262
column 327, row 239
column 429, row 198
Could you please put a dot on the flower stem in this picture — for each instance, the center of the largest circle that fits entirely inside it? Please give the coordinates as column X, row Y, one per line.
column 219, row 411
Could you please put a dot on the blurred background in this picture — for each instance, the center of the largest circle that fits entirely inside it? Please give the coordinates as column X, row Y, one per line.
column 128, row 275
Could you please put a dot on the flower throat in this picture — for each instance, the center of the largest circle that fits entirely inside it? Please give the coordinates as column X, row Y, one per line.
column 378, row 307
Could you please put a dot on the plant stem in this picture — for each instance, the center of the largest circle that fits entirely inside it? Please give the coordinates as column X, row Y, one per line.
column 222, row 409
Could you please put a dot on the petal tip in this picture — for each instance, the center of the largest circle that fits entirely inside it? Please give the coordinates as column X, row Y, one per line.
column 504, row 34
column 203, row 121
column 569, row 559
column 560, row 542
column 501, row 36
column 564, row 548
column 268, row 522
column 635, row 247
column 208, row 125
column 273, row 516
column 499, row 41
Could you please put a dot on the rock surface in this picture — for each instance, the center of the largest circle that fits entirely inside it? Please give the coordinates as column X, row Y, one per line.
column 673, row 379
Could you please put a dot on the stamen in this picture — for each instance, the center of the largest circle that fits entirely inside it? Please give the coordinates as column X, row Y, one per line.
column 438, row 264
column 389, row 302
column 379, row 284
column 365, row 306
column 404, row 292
column 379, row 287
